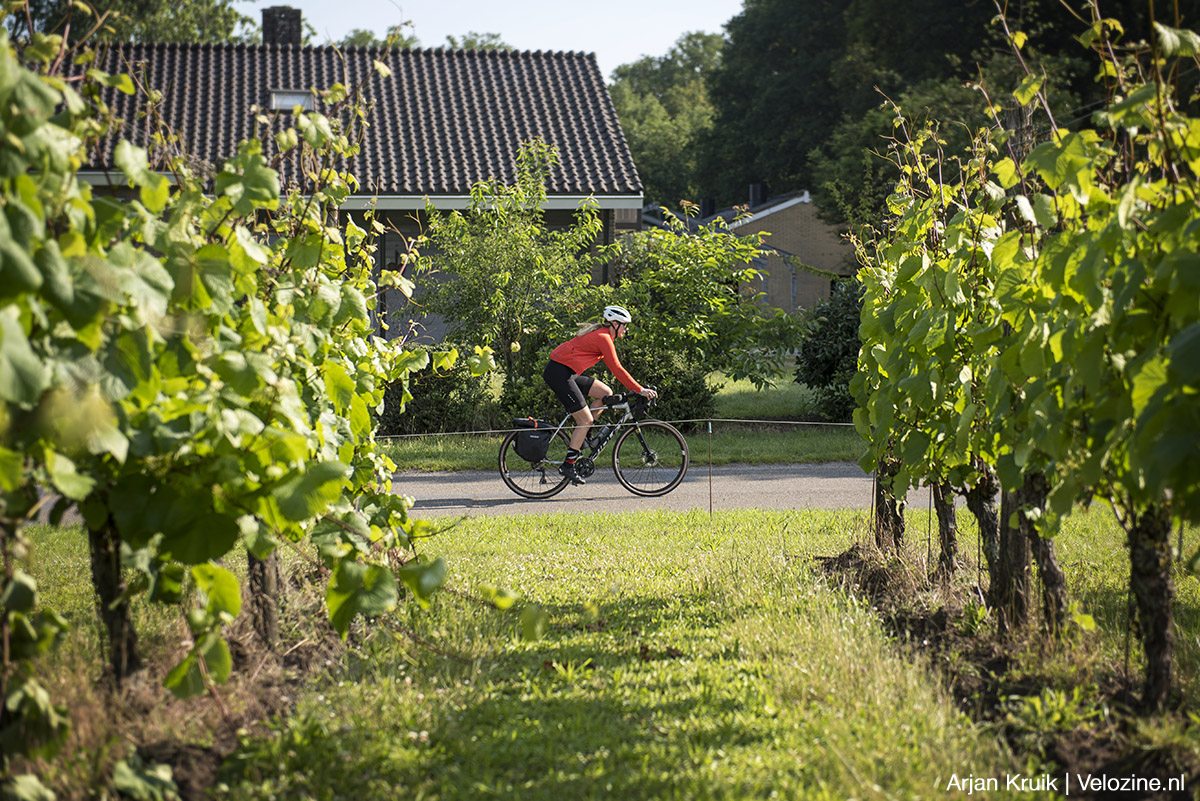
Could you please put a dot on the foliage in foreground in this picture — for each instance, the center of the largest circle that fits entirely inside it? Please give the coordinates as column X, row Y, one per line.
column 193, row 366
column 1035, row 318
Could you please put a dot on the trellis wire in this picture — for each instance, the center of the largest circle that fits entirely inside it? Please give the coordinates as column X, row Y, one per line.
column 708, row 420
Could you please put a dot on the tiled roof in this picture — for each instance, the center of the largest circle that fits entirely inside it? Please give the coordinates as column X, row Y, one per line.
column 443, row 120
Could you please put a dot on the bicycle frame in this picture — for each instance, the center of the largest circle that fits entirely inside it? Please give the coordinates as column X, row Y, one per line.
column 598, row 447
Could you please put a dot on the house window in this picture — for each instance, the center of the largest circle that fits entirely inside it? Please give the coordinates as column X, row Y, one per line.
column 287, row 99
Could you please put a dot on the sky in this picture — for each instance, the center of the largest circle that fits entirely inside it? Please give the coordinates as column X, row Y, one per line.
column 617, row 31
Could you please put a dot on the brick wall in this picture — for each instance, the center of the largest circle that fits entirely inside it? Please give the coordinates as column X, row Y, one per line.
column 797, row 230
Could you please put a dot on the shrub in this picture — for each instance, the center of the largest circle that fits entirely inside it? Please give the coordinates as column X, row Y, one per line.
column 684, row 391
column 442, row 400
column 827, row 357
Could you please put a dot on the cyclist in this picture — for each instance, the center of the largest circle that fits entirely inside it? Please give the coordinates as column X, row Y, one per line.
column 563, row 374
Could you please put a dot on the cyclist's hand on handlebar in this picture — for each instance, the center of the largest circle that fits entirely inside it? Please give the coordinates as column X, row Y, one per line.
column 647, row 392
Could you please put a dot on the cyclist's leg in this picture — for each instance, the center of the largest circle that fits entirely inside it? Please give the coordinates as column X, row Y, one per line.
column 598, row 391
column 571, row 390
column 583, row 415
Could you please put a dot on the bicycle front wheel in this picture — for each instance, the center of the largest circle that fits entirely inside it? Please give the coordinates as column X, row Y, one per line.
column 534, row 480
column 650, row 458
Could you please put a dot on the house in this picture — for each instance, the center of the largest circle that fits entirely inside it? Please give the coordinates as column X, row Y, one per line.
column 443, row 120
column 806, row 255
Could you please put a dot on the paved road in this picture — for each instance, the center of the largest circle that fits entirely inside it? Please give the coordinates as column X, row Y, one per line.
column 833, row 485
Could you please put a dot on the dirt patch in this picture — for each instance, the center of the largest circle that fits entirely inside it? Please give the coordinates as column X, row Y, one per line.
column 978, row 670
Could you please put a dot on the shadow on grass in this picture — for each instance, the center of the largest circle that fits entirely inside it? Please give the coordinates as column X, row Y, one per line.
column 614, row 708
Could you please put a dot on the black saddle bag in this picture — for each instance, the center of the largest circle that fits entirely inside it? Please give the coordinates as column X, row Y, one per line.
column 533, row 438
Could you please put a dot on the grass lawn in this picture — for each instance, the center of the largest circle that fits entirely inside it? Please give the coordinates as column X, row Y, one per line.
column 679, row 656
column 755, row 444
column 643, row 656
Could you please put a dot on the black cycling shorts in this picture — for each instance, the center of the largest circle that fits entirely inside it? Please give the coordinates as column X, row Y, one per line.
column 571, row 389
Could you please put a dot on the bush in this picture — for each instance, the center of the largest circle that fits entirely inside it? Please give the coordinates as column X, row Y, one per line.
column 442, row 400
column 827, row 357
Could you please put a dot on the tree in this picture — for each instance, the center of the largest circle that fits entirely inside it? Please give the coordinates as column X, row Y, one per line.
column 510, row 282
column 398, row 36
column 665, row 112
column 773, row 95
column 204, row 21
column 688, row 289
column 793, row 72
column 827, row 352
column 477, row 41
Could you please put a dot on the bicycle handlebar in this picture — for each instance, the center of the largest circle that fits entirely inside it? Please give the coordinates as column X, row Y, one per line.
column 627, row 397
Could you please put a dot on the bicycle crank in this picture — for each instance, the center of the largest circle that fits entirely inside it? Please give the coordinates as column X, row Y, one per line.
column 584, row 467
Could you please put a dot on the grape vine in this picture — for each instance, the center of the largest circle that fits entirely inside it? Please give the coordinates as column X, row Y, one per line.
column 194, row 366
column 1035, row 315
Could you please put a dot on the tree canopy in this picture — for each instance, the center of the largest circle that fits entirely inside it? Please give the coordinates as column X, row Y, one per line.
column 665, row 112
column 203, row 21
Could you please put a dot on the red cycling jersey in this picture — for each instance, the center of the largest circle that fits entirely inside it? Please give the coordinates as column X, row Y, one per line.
column 583, row 352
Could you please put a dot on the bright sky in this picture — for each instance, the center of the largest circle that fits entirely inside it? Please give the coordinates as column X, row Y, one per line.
column 617, row 31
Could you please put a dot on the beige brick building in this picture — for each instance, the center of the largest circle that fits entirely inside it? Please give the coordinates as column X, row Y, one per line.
column 801, row 240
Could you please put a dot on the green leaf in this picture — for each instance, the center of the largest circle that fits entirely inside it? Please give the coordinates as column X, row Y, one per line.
column 1006, row 173
column 1027, row 91
column 359, row 589
column 534, row 622
column 1184, row 352
column 18, row 273
column 185, row 679
column 305, row 495
column 12, row 465
column 482, row 362
column 221, row 588
column 24, row 787
column 1147, row 381
column 66, row 480
column 23, row 377
column 423, row 578
column 1177, row 41
column 135, row 781
column 20, row 593
column 339, row 386
column 122, row 82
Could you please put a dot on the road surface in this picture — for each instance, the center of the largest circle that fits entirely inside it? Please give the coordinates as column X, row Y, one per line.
column 832, row 485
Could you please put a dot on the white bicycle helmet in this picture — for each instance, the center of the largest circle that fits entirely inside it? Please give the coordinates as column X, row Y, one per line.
column 617, row 314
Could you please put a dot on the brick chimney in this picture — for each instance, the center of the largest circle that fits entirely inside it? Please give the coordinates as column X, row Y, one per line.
column 282, row 25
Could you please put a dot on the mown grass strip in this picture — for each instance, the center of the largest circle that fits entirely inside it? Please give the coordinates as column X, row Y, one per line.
column 682, row 657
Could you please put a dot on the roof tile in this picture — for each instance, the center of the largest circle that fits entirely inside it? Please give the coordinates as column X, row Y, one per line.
column 444, row 120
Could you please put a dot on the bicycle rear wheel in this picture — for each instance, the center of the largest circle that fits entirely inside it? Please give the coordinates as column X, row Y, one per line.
column 538, row 480
column 650, row 458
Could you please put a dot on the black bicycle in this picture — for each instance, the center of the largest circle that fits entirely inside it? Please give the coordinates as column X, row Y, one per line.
column 650, row 457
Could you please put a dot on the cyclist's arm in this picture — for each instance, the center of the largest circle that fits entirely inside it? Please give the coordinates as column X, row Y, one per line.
column 609, row 354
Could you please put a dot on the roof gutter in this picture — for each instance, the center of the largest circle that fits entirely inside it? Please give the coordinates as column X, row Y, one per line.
column 448, row 202
column 116, row 178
